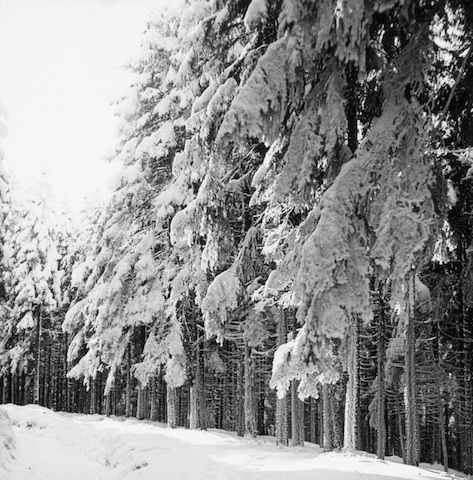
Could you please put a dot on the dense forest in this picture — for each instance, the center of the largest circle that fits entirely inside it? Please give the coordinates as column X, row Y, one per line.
column 288, row 247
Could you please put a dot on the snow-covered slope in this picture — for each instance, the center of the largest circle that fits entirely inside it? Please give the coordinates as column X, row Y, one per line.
column 61, row 446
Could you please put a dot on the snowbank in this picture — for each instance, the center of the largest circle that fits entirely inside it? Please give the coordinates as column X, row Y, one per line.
column 58, row 446
column 7, row 442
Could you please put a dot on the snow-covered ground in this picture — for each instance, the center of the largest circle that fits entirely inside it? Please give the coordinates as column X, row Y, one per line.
column 38, row 444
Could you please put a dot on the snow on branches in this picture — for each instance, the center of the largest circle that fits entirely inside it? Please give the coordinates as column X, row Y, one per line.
column 222, row 295
column 341, row 26
column 257, row 110
column 378, row 211
column 256, row 14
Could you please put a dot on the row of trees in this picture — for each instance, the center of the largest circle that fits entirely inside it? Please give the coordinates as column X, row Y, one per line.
column 288, row 246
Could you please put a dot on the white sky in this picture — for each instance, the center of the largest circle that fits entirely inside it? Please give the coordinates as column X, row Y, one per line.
column 60, row 68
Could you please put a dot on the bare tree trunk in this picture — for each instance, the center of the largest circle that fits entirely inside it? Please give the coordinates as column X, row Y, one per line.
column 281, row 421
column 171, row 398
column 440, row 406
column 334, row 419
column 108, row 400
column 153, row 413
column 313, row 421
column 47, row 373
column 38, row 357
column 320, row 415
column 128, row 406
column 349, row 437
column 412, row 435
column 93, row 396
column 6, row 383
column 281, row 403
column 400, row 429
column 194, row 407
column 250, row 402
column 198, row 408
column 297, row 406
column 380, row 420
column 67, row 381
column 140, row 408
column 328, row 440
column 13, row 382
column 55, row 376
column 443, row 433
column 203, row 411
column 297, row 416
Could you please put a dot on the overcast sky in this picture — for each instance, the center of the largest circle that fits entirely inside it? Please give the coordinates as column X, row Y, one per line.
column 61, row 66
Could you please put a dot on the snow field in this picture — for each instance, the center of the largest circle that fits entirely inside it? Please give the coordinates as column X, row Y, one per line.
column 38, row 444
column 7, row 439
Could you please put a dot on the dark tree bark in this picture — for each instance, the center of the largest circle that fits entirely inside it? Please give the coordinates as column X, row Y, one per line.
column 197, row 400
column 37, row 383
column 328, row 432
column 410, row 400
column 171, row 398
column 250, row 401
column 128, row 405
column 153, row 411
column 93, row 396
column 351, row 398
column 281, row 403
column 297, row 416
column 381, row 393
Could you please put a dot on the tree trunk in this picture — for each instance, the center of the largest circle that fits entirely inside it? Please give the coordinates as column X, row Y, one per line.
column 198, row 409
column 400, row 429
column 349, row 437
column 331, row 428
column 240, row 403
column 67, row 381
column 38, row 357
column 281, row 421
column 162, row 398
column 47, row 373
column 380, row 419
column 297, row 416
column 140, row 408
column 108, row 400
column 14, row 398
column 128, row 406
column 334, row 418
column 328, row 441
column 320, row 415
column 281, row 403
column 440, row 406
column 203, row 412
column 93, row 396
column 412, row 435
column 171, row 398
column 250, row 402
column 313, row 431
column 297, row 406
column 153, row 412
column 5, row 392
column 443, row 434
column 194, row 407
column 55, row 375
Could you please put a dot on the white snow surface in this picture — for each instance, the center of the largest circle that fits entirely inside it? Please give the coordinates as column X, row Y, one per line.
column 57, row 446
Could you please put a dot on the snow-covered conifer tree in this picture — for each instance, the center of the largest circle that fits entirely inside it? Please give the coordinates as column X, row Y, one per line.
column 6, row 334
column 34, row 283
column 125, row 291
